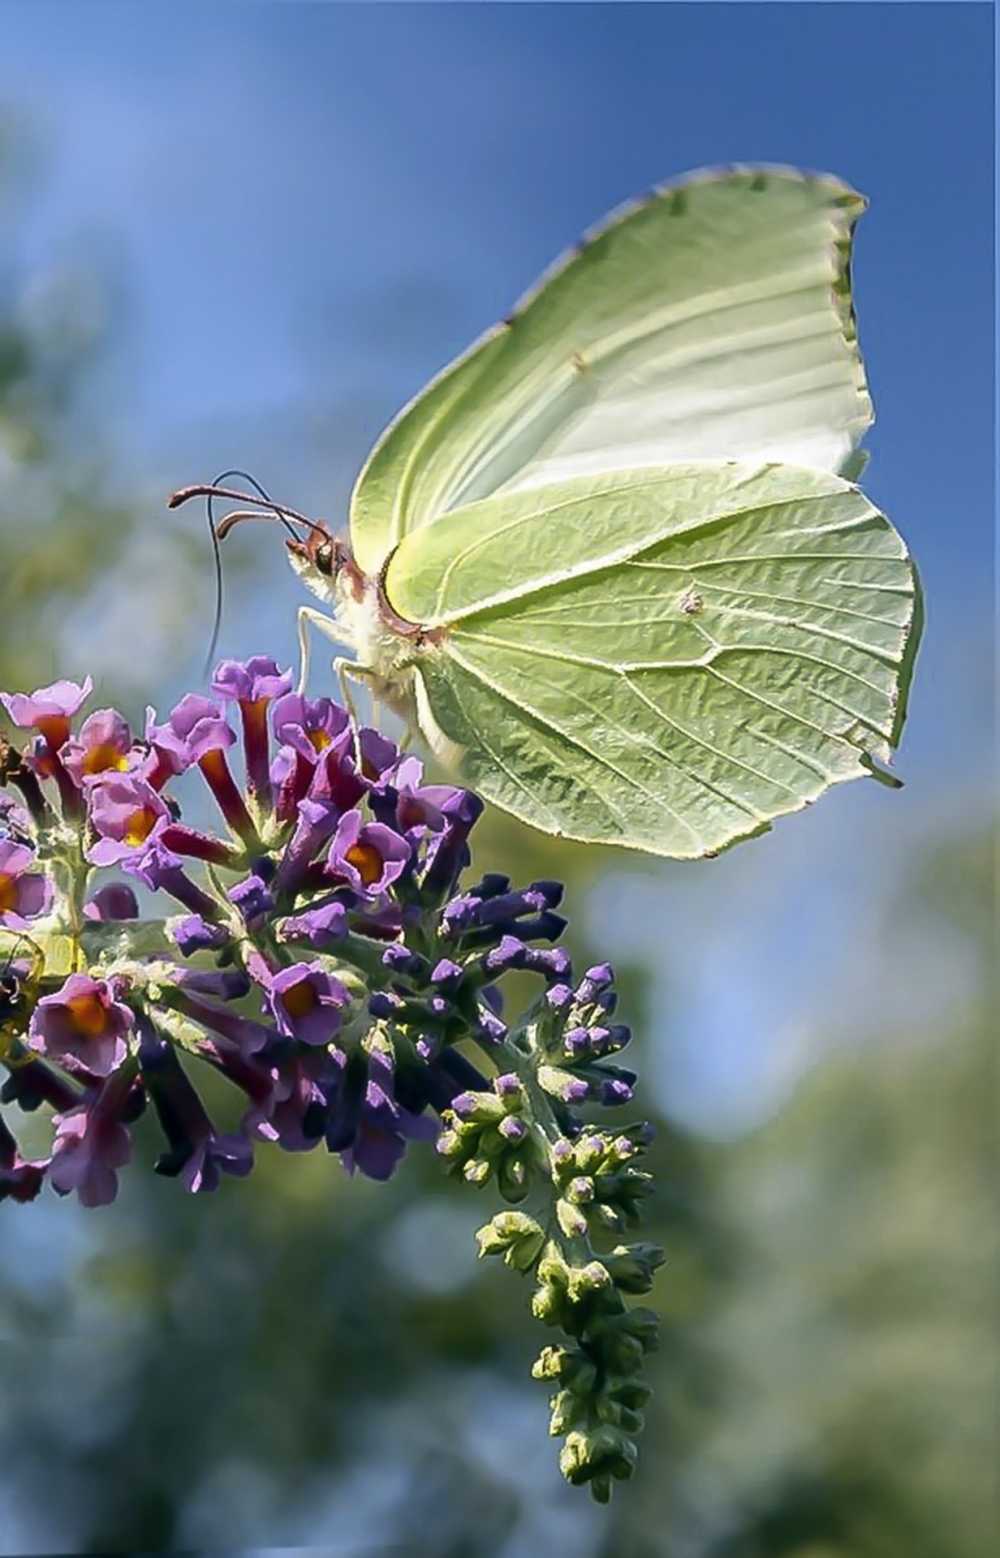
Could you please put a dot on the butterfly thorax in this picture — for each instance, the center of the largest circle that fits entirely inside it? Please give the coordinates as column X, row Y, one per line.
column 358, row 621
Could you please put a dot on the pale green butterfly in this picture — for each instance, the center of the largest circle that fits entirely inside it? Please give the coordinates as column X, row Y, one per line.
column 610, row 561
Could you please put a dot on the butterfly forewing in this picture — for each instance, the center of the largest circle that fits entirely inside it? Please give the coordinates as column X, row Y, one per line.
column 712, row 320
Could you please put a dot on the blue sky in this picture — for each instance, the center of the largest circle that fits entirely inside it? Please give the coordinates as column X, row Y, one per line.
column 312, row 207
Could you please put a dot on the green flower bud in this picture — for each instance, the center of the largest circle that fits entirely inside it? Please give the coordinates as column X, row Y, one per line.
column 571, row 1220
column 632, row 1266
column 515, row 1236
column 603, row 1451
column 567, row 1409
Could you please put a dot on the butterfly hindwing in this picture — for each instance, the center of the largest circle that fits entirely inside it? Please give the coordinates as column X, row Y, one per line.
column 663, row 659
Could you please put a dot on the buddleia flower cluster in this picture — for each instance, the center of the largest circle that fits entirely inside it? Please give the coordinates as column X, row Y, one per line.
column 326, row 953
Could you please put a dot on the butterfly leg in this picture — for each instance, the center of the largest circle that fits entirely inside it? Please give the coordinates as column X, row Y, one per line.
column 308, row 617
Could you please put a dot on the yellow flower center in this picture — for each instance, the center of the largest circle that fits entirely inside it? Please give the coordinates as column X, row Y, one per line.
column 88, row 1015
column 319, row 739
column 367, row 861
column 8, row 891
column 102, row 757
column 139, row 825
column 301, row 999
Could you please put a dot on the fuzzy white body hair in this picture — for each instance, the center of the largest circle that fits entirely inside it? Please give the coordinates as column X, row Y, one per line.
column 385, row 661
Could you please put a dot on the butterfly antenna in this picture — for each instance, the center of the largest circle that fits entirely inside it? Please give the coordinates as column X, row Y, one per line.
column 211, row 492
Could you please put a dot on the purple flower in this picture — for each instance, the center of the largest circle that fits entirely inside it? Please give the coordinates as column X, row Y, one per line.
column 411, row 807
column 198, row 1153
column 253, row 684
column 193, row 934
column 250, row 681
column 383, row 1126
column 24, row 894
column 320, row 927
column 49, row 709
column 369, row 856
column 307, row 1002
column 379, row 756
column 103, row 745
column 90, row 1145
column 251, row 897
column 82, row 1026
column 129, row 816
column 193, row 727
column 309, row 725
column 114, row 901
column 317, row 819
column 294, row 1113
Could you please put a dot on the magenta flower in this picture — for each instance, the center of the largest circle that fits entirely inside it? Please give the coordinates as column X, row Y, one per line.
column 48, row 710
column 369, row 856
column 91, row 1144
column 128, row 815
column 24, row 894
column 82, row 1026
column 307, row 1002
column 103, row 745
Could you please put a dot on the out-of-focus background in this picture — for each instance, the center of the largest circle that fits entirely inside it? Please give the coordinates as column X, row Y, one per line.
column 244, row 234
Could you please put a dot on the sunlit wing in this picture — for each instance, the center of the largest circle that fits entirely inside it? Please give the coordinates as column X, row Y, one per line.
column 711, row 320
column 679, row 656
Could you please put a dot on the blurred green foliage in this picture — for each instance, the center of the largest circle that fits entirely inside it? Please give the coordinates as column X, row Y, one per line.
column 302, row 1359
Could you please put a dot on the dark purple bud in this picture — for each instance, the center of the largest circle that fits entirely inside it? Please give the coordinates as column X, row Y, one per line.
column 227, row 985
column 252, row 898
column 402, row 961
column 194, row 934
column 321, row 927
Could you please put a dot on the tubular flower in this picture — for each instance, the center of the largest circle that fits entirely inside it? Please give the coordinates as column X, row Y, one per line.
column 344, row 964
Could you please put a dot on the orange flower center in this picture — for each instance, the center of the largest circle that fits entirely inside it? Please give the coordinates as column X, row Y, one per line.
column 301, row 999
column 88, row 1015
column 102, row 757
column 140, row 825
column 367, row 861
column 8, row 891
column 319, row 739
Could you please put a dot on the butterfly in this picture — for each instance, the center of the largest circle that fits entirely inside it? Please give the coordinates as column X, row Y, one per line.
column 612, row 562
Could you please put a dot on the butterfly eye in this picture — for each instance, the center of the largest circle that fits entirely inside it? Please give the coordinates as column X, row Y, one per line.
column 323, row 557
